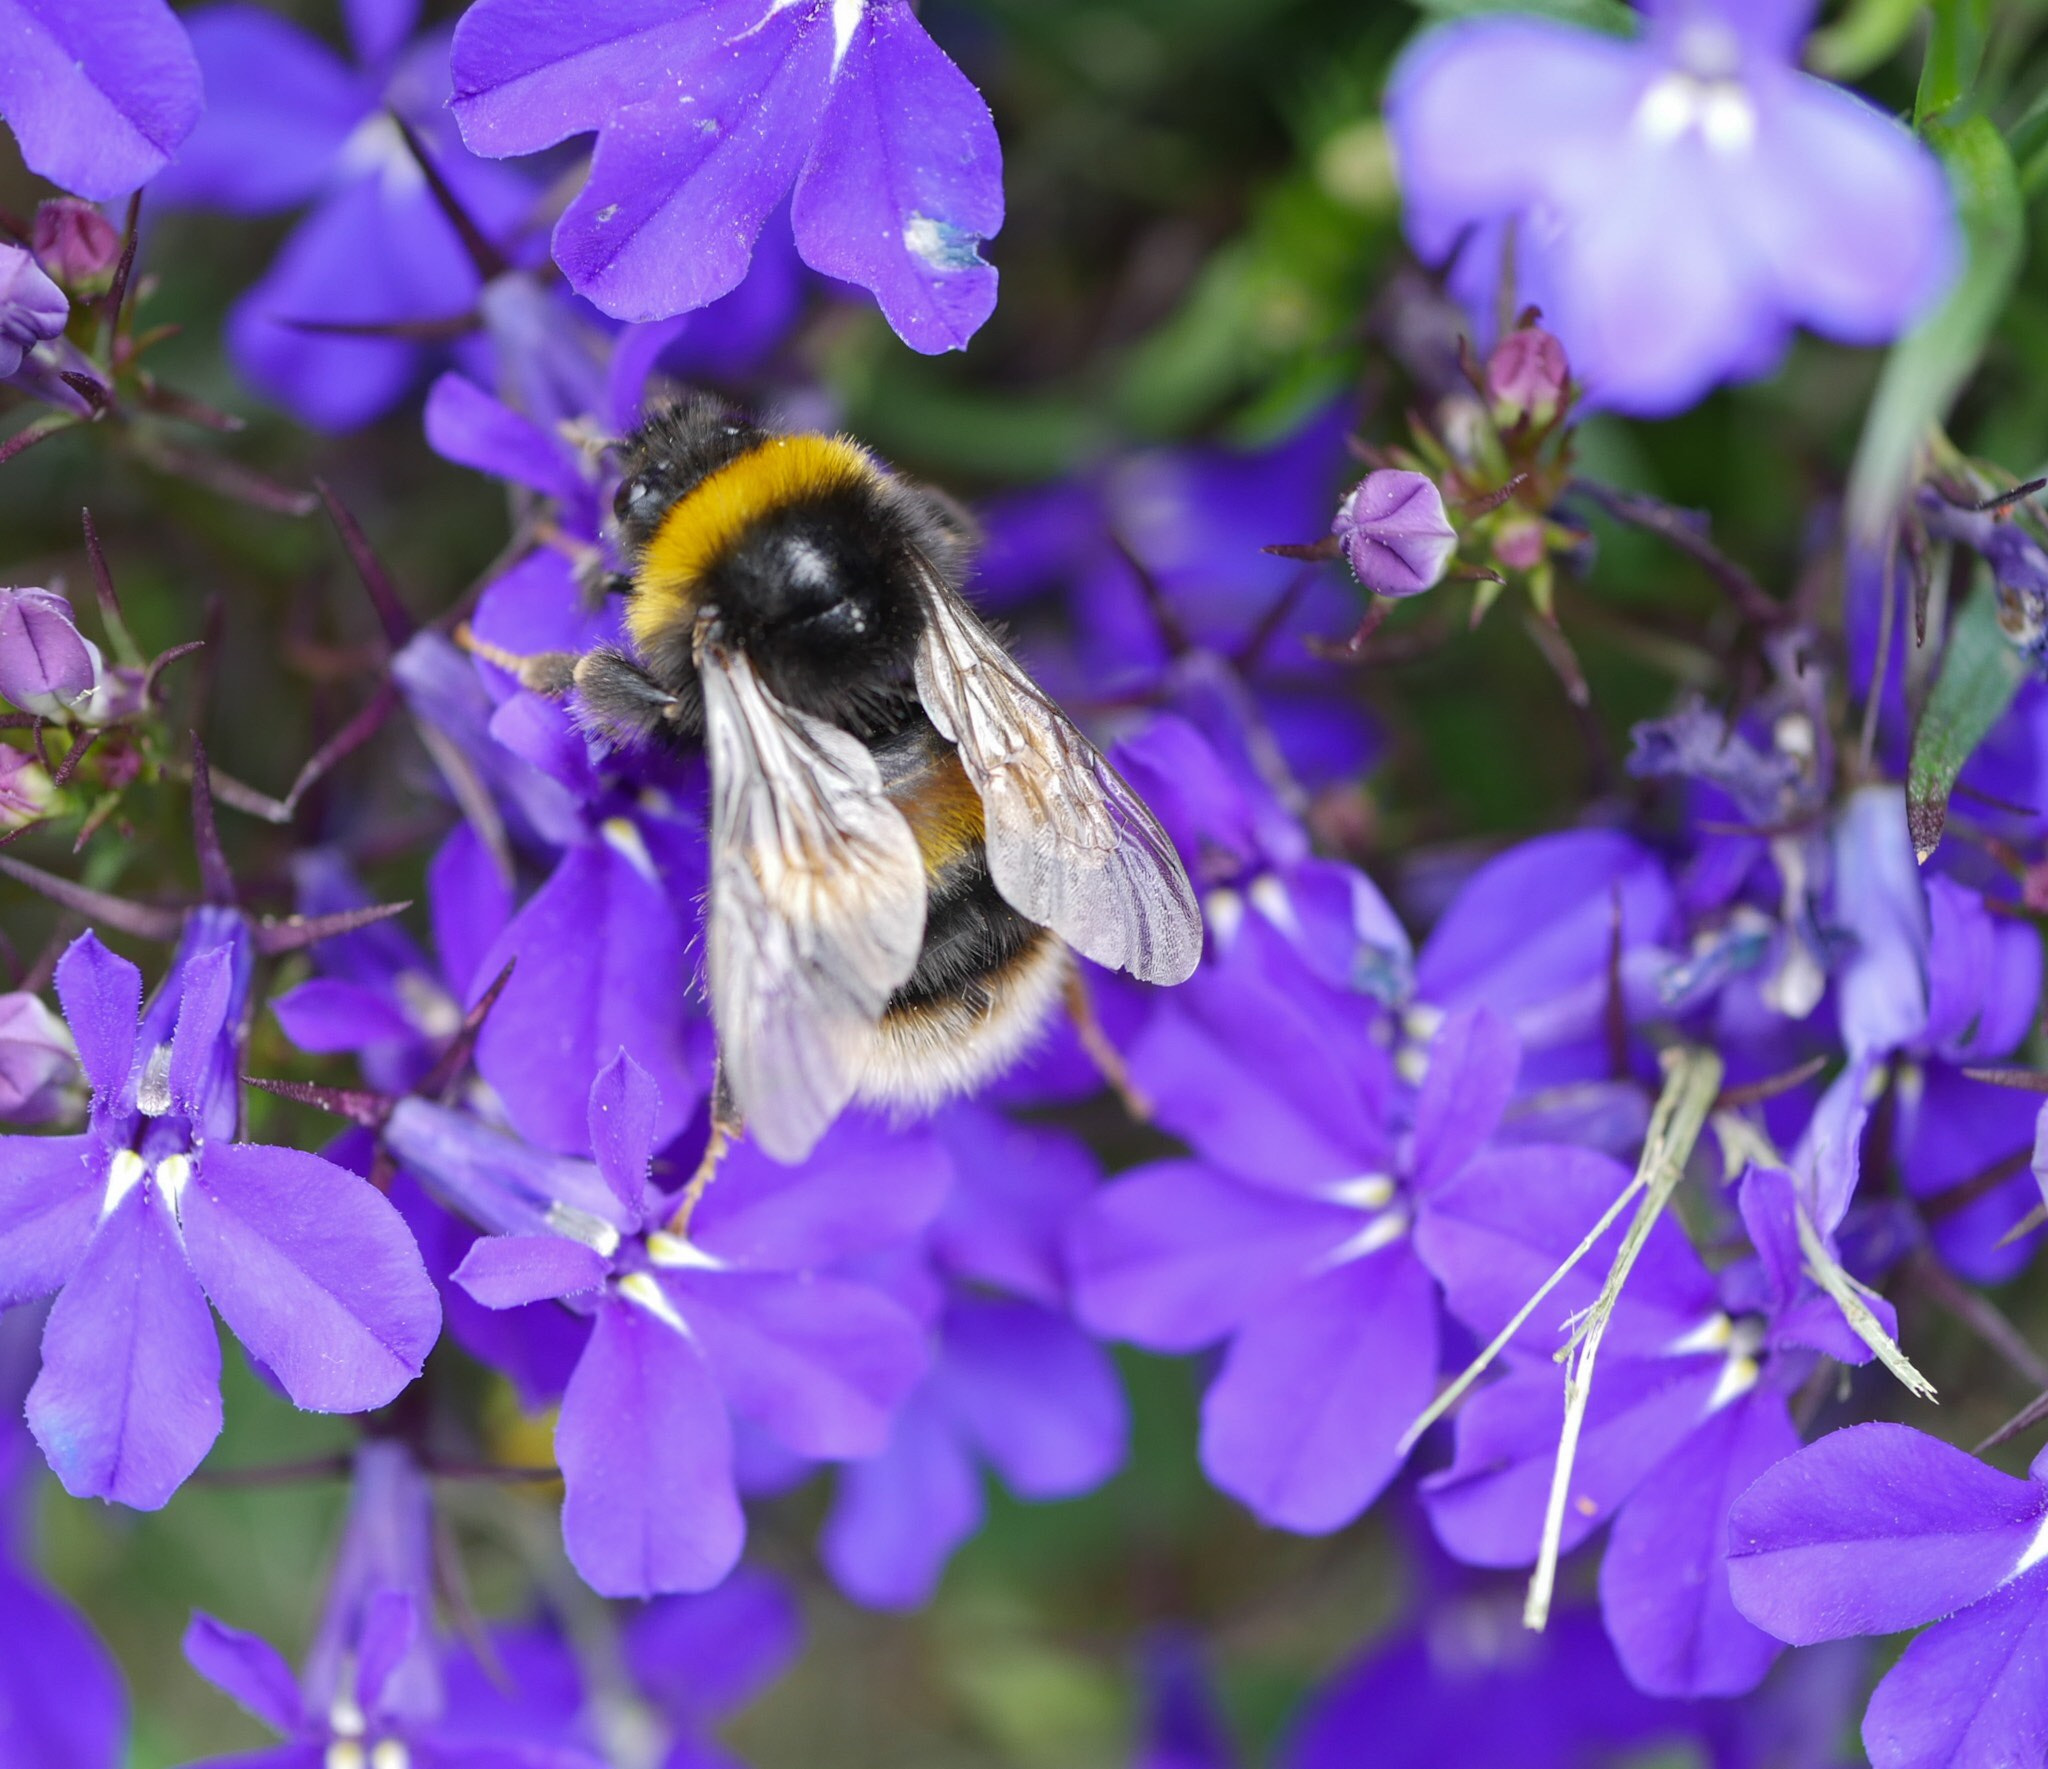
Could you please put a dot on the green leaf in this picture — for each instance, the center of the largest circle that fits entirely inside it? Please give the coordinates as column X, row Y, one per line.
column 1955, row 48
column 1927, row 368
column 1864, row 37
column 1980, row 673
column 1613, row 17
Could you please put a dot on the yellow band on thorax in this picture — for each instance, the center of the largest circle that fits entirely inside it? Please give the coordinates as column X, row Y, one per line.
column 702, row 527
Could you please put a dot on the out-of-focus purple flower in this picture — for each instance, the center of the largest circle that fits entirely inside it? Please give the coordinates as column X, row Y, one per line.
column 706, row 112
column 33, row 309
column 1014, row 1384
column 76, row 244
column 1396, row 537
column 1691, row 1403
column 289, row 122
column 1880, row 1528
column 155, row 1209
column 46, row 665
column 742, row 1315
column 373, row 1691
column 1182, row 1727
column 98, row 96
column 701, row 1658
column 1678, row 203
column 39, row 1074
column 25, row 788
column 1526, row 377
column 61, row 1701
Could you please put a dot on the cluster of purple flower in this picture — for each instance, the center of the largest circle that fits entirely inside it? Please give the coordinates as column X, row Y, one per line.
column 1368, row 1157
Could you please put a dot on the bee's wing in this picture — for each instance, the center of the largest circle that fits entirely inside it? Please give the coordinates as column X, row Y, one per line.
column 1069, row 844
column 817, row 905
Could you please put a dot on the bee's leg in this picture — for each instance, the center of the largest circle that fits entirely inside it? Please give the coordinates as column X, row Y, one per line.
column 727, row 1127
column 1101, row 1052
column 622, row 700
column 552, row 673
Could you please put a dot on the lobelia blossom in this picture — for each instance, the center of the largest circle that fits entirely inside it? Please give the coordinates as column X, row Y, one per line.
column 1395, row 535
column 375, row 1692
column 742, row 1315
column 155, row 1209
column 1678, row 202
column 47, row 666
column 40, row 1080
column 99, row 97
column 1692, row 1402
column 1015, row 1385
column 708, row 111
column 35, row 355
column 698, row 1659
column 61, row 1701
column 288, row 123
column 1879, row 1528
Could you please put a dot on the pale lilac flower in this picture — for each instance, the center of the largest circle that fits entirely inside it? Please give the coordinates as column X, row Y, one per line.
column 39, row 1074
column 46, row 665
column 1678, row 203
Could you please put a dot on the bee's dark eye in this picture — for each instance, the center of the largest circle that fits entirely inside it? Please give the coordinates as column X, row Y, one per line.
column 622, row 499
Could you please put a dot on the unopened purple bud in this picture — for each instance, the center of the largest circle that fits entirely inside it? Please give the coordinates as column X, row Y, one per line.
column 39, row 1075
column 25, row 788
column 1519, row 544
column 46, row 665
column 1394, row 532
column 76, row 244
column 32, row 308
column 1526, row 376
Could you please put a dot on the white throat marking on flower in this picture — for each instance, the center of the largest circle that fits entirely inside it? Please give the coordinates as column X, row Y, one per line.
column 2032, row 1554
column 173, row 1174
column 344, row 1753
column 679, row 1253
column 846, row 17
column 640, row 1289
column 1678, row 103
column 390, row 1753
column 1379, row 1231
column 124, row 1174
column 1362, row 1191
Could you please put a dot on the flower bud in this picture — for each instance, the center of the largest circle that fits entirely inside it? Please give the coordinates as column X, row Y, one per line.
column 39, row 1075
column 46, row 665
column 1394, row 532
column 25, row 788
column 76, row 245
column 1526, row 377
column 32, row 309
column 1519, row 544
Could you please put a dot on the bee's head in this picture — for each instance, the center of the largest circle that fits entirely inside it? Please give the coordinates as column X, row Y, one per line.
column 669, row 456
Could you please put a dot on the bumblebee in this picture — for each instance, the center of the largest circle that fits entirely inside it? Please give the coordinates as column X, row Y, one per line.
column 908, row 839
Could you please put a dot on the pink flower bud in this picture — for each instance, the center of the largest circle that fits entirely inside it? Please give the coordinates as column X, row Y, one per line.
column 25, row 788
column 1526, row 376
column 1394, row 532
column 76, row 244
column 39, row 1078
column 1519, row 545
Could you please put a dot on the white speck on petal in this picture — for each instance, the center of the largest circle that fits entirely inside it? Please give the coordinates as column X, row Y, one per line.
column 606, row 213
column 124, row 1174
column 940, row 244
column 640, row 1289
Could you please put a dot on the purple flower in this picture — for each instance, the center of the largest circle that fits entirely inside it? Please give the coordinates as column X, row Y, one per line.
column 741, row 1315
column 39, row 1075
column 33, row 309
column 1678, row 203
column 288, row 123
column 46, row 665
column 98, row 96
column 155, row 1209
column 375, row 1686
column 1689, row 1407
column 1014, row 1384
column 707, row 111
column 1183, row 1729
column 1880, row 1528
column 1396, row 537
column 701, row 1658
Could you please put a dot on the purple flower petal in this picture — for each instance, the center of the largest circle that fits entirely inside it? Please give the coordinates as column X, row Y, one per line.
column 1302, row 1424
column 898, row 1516
column 128, row 1402
column 904, row 182
column 818, row 1362
column 313, row 1271
column 1971, row 1692
column 1664, row 1578
column 1950, row 1129
column 1394, row 532
column 677, row 192
column 324, row 1015
column 1038, row 1397
column 1880, row 903
column 506, row 1271
column 1487, row 1507
column 1875, row 1529
column 703, row 1657
column 250, row 1671
column 45, row 665
column 102, row 998
column 1017, row 1188
column 471, row 902
column 379, row 28
column 203, row 1006
column 1472, row 1064
column 1177, row 1255
column 467, row 426
column 1983, row 976
column 646, row 1453
column 98, row 97
column 864, row 1187
column 601, row 967
column 49, row 1204
column 280, row 105
column 61, row 1700
column 625, row 1107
